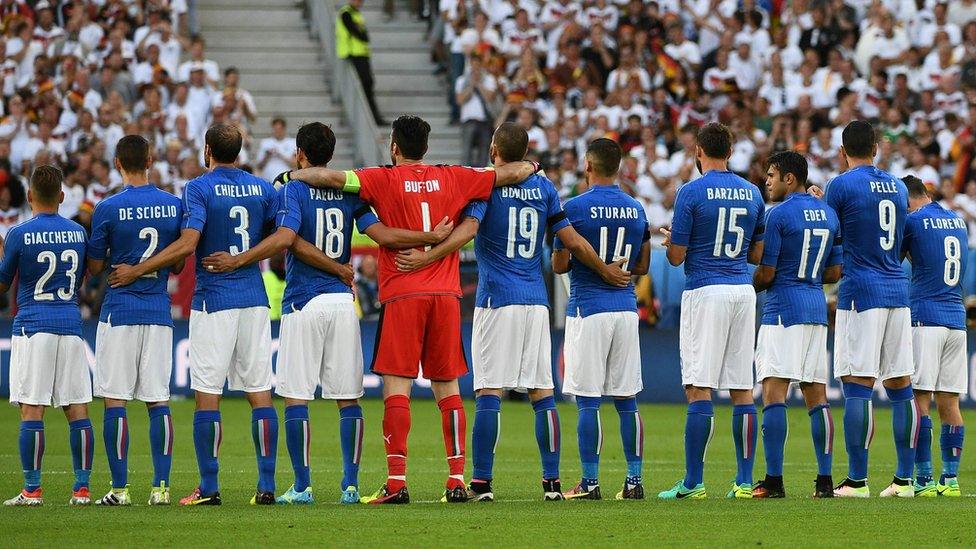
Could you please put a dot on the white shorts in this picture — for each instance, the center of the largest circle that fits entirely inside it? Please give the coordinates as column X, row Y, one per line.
column 941, row 360
column 133, row 362
column 233, row 345
column 797, row 353
column 49, row 370
column 602, row 353
column 320, row 345
column 875, row 343
column 511, row 348
column 718, row 329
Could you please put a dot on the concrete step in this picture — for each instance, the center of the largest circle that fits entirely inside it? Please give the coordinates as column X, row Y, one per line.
column 260, row 60
column 297, row 105
column 255, row 7
column 407, row 81
column 216, row 16
column 398, row 60
column 301, row 79
column 244, row 39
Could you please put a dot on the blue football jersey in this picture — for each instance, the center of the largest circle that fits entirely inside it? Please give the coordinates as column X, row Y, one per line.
column 872, row 206
column 48, row 253
column 233, row 210
column 717, row 217
column 323, row 217
column 510, row 242
column 937, row 241
column 128, row 228
column 616, row 226
column 801, row 240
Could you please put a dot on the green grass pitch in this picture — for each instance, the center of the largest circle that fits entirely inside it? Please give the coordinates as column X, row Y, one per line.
column 516, row 518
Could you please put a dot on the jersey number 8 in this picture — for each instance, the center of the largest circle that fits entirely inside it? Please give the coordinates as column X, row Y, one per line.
column 953, row 253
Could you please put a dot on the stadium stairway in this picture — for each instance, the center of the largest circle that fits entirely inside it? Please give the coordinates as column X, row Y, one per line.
column 282, row 67
column 405, row 83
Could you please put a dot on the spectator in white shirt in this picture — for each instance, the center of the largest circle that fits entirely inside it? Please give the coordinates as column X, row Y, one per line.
column 277, row 153
column 197, row 57
column 628, row 70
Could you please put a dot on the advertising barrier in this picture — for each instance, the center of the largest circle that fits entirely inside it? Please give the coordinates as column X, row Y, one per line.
column 659, row 352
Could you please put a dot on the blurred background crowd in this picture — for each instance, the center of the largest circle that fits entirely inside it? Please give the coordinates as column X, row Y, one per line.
column 79, row 74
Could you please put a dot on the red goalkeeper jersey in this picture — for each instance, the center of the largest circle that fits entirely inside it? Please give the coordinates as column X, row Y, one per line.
column 417, row 197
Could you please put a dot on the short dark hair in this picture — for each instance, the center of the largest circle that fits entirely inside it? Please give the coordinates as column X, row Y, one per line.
column 916, row 189
column 511, row 141
column 715, row 140
column 410, row 135
column 279, row 120
column 45, row 184
column 789, row 162
column 317, row 141
column 859, row 139
column 133, row 153
column 225, row 142
column 604, row 156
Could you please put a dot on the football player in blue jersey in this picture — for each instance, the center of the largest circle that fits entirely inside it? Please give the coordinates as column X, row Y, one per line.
column 319, row 342
column 226, row 209
column 801, row 252
column 510, row 341
column 134, row 344
column 718, row 226
column 602, row 345
column 872, row 335
column 48, row 365
column 936, row 244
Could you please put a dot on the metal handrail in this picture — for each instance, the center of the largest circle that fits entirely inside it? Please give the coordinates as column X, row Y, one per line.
column 369, row 149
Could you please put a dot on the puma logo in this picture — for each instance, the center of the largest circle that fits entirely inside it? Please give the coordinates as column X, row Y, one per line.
column 386, row 438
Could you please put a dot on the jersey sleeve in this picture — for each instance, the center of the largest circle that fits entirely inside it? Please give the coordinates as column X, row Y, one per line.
column 758, row 234
column 474, row 183
column 555, row 215
column 683, row 219
column 833, row 196
column 289, row 214
column 477, row 210
column 773, row 240
column 906, row 241
column 194, row 207
column 11, row 257
column 98, row 243
column 363, row 214
column 367, row 182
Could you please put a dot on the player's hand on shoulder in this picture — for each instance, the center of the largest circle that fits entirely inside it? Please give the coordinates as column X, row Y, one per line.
column 123, row 275
column 615, row 274
column 347, row 274
column 220, row 262
column 442, row 230
column 815, row 191
column 411, row 260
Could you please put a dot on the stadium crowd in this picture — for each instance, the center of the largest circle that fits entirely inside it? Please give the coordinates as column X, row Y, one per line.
column 77, row 75
column 782, row 75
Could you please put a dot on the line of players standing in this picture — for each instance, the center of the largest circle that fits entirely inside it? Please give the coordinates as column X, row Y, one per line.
column 601, row 239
